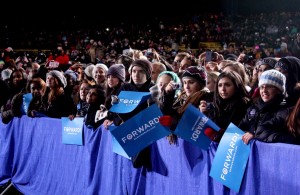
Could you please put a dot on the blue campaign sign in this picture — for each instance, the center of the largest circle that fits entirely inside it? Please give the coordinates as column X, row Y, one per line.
column 129, row 100
column 231, row 158
column 192, row 125
column 140, row 131
column 26, row 100
column 116, row 147
column 72, row 130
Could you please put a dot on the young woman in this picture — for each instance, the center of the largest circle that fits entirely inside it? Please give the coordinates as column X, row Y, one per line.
column 230, row 102
column 193, row 91
column 17, row 87
column 163, row 79
column 95, row 97
column 54, row 102
column 80, row 100
column 115, row 79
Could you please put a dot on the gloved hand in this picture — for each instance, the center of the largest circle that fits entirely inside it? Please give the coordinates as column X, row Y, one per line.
column 214, row 135
column 210, row 133
column 166, row 120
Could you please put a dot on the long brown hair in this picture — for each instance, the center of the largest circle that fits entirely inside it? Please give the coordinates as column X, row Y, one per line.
column 55, row 92
column 293, row 120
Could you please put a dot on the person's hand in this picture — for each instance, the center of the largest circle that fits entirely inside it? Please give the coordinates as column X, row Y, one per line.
column 71, row 117
column 107, row 123
column 171, row 86
column 203, row 106
column 214, row 135
column 210, row 133
column 33, row 113
column 114, row 99
column 166, row 120
column 247, row 137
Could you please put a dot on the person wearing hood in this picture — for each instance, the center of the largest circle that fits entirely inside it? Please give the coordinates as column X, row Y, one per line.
column 290, row 67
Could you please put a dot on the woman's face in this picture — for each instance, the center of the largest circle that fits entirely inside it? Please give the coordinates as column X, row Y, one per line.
column 268, row 92
column 83, row 91
column 112, row 81
column 35, row 90
column 262, row 68
column 226, row 88
column 99, row 75
column 210, row 84
column 17, row 77
column 51, row 81
column 92, row 96
column 190, row 85
column 162, row 81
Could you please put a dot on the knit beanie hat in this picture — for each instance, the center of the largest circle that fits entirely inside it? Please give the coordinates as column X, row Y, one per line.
column 5, row 74
column 72, row 74
column 273, row 77
column 59, row 76
column 197, row 73
column 283, row 64
column 89, row 70
column 144, row 64
column 117, row 70
column 270, row 61
column 174, row 76
column 102, row 66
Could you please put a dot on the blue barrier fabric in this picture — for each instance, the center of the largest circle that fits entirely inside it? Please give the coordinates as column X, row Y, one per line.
column 33, row 156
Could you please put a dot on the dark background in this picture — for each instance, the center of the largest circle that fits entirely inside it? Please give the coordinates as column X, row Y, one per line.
column 122, row 11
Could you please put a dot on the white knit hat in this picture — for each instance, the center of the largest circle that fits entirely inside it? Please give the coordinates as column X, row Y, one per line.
column 273, row 77
column 99, row 65
column 5, row 74
column 89, row 70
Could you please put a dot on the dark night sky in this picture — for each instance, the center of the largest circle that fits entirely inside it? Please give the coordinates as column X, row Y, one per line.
column 51, row 14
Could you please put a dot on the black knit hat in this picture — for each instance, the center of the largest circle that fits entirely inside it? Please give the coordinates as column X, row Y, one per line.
column 197, row 73
column 144, row 64
column 117, row 70
column 270, row 61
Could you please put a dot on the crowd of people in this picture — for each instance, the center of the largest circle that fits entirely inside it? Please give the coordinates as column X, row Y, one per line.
column 260, row 94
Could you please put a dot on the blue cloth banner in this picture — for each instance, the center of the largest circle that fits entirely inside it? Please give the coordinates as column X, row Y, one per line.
column 129, row 100
column 192, row 125
column 140, row 131
column 26, row 100
column 72, row 130
column 34, row 159
column 231, row 158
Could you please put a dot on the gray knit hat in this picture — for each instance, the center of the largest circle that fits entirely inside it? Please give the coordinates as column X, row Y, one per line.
column 117, row 70
column 59, row 76
column 144, row 64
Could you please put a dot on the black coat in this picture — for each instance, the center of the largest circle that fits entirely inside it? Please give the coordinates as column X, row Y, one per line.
column 259, row 113
column 275, row 129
